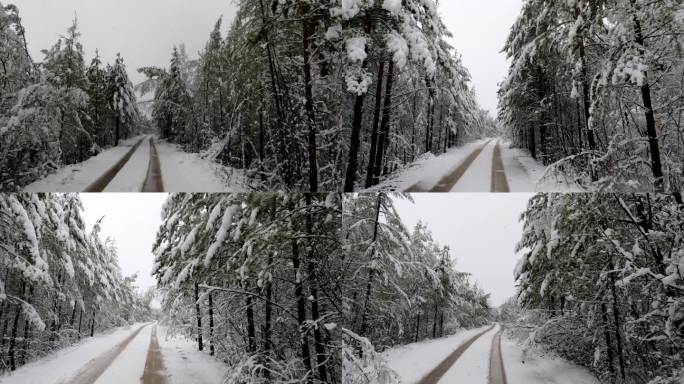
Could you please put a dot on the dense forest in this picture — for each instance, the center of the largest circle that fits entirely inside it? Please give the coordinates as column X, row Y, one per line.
column 602, row 284
column 59, row 111
column 322, row 96
column 59, row 282
column 305, row 287
column 595, row 88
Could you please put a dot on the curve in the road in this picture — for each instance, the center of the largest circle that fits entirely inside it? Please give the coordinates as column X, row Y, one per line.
column 497, row 371
column 153, row 181
column 436, row 374
column 100, row 184
column 499, row 180
column 89, row 373
column 154, row 365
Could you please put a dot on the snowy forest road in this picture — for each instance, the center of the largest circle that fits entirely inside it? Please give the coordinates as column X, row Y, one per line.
column 154, row 366
column 92, row 371
column 497, row 372
column 436, row 374
column 481, row 171
column 127, row 173
column 101, row 183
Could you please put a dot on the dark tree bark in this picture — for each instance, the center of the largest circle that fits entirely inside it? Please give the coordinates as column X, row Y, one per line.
column 606, row 334
column 384, row 125
column 198, row 314
column 301, row 310
column 309, row 106
column 313, row 292
column 654, row 145
column 371, row 272
column 251, row 329
column 211, row 324
column 376, row 121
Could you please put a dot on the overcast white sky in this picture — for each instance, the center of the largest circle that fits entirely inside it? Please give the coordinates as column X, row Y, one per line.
column 132, row 220
column 144, row 31
column 482, row 230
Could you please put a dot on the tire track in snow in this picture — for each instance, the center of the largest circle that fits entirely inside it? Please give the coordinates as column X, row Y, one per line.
column 449, row 181
column 154, row 366
column 436, row 374
column 497, row 371
column 499, row 180
column 100, row 184
column 154, row 181
column 90, row 372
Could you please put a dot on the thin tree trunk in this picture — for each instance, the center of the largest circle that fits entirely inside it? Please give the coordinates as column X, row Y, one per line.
column 308, row 93
column 251, row 329
column 384, row 125
column 609, row 344
column 371, row 272
column 211, row 324
column 198, row 314
column 313, row 294
column 301, row 311
column 654, row 145
column 376, row 121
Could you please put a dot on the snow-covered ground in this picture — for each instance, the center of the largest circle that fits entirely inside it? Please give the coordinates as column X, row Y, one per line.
column 478, row 177
column 63, row 364
column 427, row 171
column 538, row 369
column 185, row 364
column 524, row 173
column 473, row 365
column 413, row 361
column 188, row 172
column 130, row 364
column 77, row 177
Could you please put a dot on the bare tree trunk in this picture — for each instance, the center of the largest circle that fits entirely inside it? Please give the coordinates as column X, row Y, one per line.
column 301, row 311
column 198, row 314
column 308, row 94
column 211, row 324
column 313, row 292
column 654, row 145
column 384, row 125
column 376, row 120
column 251, row 329
column 371, row 272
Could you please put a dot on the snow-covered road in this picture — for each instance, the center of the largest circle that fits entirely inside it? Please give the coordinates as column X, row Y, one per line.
column 479, row 356
column 142, row 164
column 127, row 355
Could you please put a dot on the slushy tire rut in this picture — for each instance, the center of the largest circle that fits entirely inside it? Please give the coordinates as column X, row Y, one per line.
column 100, row 184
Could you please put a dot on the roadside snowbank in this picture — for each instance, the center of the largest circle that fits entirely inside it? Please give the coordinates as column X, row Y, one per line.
column 188, row 172
column 532, row 368
column 185, row 364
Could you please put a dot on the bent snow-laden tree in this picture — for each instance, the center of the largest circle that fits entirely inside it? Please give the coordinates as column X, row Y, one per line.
column 327, row 96
column 58, row 282
column 595, row 88
column 605, row 275
column 59, row 111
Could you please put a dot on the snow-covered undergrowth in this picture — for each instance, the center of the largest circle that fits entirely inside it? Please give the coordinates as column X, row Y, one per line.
column 184, row 363
column 190, row 172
